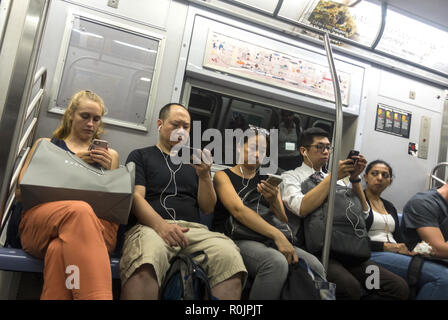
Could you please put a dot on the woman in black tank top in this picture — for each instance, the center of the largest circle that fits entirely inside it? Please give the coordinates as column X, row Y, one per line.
column 267, row 266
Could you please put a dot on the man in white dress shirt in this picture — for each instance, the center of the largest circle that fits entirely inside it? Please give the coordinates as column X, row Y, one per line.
column 315, row 149
column 350, row 278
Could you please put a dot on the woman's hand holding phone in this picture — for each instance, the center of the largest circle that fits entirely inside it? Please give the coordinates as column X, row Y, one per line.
column 101, row 156
column 268, row 190
column 85, row 156
column 96, row 154
column 99, row 153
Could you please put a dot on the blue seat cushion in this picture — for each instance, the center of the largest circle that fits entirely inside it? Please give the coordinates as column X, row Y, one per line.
column 18, row 260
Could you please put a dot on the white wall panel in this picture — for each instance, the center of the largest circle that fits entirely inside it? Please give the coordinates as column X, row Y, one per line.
column 122, row 139
column 148, row 12
column 411, row 173
column 397, row 87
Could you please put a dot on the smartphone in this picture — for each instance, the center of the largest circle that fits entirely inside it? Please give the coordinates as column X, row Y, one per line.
column 274, row 180
column 352, row 154
column 99, row 144
column 197, row 155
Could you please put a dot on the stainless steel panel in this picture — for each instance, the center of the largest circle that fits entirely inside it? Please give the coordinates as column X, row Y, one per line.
column 19, row 89
column 5, row 7
column 443, row 147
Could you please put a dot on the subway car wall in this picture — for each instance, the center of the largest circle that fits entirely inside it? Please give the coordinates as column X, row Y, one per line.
column 216, row 98
column 140, row 57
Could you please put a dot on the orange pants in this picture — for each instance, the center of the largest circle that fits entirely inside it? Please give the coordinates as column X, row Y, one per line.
column 67, row 234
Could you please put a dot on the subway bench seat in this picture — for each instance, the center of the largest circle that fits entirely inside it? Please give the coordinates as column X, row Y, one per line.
column 17, row 260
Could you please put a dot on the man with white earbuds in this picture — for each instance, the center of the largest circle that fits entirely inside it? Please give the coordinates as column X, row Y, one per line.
column 315, row 149
column 350, row 278
column 165, row 218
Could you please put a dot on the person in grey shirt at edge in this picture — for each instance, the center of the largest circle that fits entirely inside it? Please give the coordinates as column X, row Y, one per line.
column 425, row 218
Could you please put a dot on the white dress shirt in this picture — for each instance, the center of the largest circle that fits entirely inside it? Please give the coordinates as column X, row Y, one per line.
column 290, row 187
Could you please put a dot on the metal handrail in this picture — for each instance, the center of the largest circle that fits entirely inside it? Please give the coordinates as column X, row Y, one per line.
column 37, row 98
column 434, row 178
column 25, row 137
column 5, row 216
column 34, row 106
column 15, row 176
column 42, row 75
column 24, row 57
column 337, row 150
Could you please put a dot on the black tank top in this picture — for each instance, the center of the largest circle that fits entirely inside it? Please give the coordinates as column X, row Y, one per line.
column 241, row 186
column 61, row 144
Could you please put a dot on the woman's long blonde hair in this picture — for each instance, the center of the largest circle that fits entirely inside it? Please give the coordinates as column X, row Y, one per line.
column 64, row 129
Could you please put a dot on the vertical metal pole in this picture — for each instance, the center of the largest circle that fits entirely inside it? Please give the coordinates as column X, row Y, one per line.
column 337, row 150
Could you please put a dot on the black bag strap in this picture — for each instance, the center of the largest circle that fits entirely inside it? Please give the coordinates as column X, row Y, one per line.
column 249, row 193
column 413, row 275
column 198, row 253
column 191, row 266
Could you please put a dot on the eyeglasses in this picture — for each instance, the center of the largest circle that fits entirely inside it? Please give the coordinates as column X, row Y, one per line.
column 321, row 147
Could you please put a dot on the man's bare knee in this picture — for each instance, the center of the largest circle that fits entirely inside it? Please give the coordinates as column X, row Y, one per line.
column 145, row 271
column 142, row 284
column 229, row 289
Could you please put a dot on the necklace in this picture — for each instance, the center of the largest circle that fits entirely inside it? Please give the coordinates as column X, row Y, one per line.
column 387, row 226
column 379, row 207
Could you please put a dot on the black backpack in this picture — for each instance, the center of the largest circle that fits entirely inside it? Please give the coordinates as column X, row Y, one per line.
column 186, row 280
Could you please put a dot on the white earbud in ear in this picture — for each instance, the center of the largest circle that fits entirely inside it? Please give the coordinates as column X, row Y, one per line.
column 159, row 127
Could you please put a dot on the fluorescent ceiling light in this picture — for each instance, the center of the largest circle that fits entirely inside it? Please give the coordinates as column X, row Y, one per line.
column 134, row 46
column 89, row 34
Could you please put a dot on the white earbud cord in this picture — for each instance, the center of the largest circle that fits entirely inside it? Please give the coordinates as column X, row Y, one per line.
column 312, row 165
column 245, row 185
column 172, row 178
column 358, row 232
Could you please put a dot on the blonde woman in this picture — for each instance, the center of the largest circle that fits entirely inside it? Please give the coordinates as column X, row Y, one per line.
column 68, row 234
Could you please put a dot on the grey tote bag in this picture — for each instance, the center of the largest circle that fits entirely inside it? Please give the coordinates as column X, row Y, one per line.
column 55, row 174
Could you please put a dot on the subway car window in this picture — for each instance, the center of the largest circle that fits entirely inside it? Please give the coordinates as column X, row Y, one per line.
column 117, row 63
column 216, row 110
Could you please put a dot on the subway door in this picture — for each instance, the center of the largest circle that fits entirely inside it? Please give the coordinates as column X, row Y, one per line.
column 402, row 126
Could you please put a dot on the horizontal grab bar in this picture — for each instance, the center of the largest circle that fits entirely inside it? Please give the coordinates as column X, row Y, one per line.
column 27, row 135
column 42, row 75
column 33, row 103
column 15, row 176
